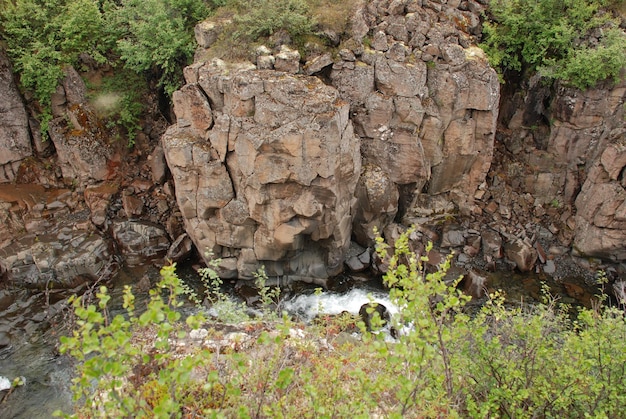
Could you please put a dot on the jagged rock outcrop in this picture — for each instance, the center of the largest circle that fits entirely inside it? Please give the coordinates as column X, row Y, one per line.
column 82, row 142
column 601, row 206
column 56, row 246
column 265, row 166
column 15, row 144
column 568, row 147
column 423, row 99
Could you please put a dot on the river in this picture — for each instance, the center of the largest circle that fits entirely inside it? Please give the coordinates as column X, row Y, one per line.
column 33, row 321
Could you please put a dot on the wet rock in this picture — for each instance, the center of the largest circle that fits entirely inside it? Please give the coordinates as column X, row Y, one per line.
column 522, row 254
column 369, row 310
column 98, row 198
column 180, row 249
column 140, row 241
column 56, row 261
column 358, row 259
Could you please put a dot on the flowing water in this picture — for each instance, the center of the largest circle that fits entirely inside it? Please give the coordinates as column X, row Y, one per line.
column 33, row 322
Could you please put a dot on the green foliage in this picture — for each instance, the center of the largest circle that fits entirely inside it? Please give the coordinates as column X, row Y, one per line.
column 43, row 36
column 109, row 352
column 151, row 37
column 259, row 18
column 502, row 361
column 225, row 308
column 156, row 35
column 551, row 36
column 118, row 105
column 269, row 296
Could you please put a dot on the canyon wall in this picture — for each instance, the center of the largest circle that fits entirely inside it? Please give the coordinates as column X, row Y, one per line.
column 15, row 144
column 273, row 167
column 293, row 159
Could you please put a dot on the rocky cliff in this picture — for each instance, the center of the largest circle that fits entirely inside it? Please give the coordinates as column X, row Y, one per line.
column 15, row 142
column 275, row 167
column 292, row 159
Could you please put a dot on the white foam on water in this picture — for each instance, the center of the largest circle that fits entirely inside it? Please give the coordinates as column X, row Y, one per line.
column 309, row 306
column 5, row 383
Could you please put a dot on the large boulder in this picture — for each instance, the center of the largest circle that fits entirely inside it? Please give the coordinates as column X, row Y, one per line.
column 271, row 182
column 15, row 144
column 60, row 259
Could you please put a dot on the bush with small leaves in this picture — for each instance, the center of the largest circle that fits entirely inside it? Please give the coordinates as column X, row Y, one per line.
column 577, row 41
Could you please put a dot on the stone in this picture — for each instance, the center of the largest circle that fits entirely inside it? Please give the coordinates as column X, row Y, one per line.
column 158, row 165
column 619, row 291
column 317, row 64
column 98, row 198
column 133, row 205
column 453, row 236
column 600, row 222
column 521, row 253
column 273, row 185
column 475, row 283
column 208, row 31
column 15, row 144
column 192, row 108
column 140, row 240
column 369, row 310
column 287, row 60
column 50, row 261
column 180, row 249
column 82, row 145
column 377, row 204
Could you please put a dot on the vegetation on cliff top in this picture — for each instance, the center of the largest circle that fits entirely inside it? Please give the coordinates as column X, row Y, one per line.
column 146, row 37
column 577, row 41
column 503, row 361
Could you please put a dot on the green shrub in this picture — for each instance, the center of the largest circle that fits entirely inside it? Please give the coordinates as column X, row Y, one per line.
column 551, row 36
column 503, row 361
column 152, row 37
column 156, row 36
column 44, row 36
column 261, row 18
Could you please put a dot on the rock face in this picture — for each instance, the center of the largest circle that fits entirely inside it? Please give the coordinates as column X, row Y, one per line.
column 15, row 143
column 570, row 158
column 79, row 136
column 56, row 246
column 265, row 166
column 424, row 102
column 601, row 204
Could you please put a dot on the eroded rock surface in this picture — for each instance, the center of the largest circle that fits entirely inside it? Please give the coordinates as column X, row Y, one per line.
column 271, row 179
column 82, row 142
column 15, row 143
